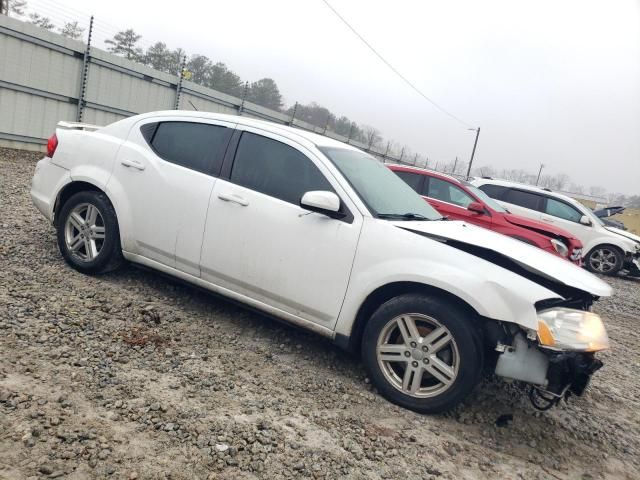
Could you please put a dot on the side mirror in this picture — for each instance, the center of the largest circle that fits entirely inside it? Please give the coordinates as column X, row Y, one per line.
column 476, row 207
column 319, row 201
column 584, row 220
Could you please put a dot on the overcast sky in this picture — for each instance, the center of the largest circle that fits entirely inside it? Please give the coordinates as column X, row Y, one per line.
column 548, row 81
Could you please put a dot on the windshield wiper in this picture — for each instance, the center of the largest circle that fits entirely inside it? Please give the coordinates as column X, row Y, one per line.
column 403, row 216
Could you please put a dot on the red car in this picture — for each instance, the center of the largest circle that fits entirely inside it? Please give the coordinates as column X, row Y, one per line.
column 459, row 200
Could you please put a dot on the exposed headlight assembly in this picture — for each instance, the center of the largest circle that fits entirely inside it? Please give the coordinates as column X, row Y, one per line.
column 560, row 247
column 568, row 329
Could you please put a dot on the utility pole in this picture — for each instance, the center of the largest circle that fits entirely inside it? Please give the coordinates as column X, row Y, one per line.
column 455, row 164
column 539, row 172
column 473, row 152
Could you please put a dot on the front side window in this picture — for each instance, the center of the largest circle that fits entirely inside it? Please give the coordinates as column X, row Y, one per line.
column 275, row 169
column 447, row 192
column 384, row 194
column 524, row 199
column 487, row 199
column 563, row 210
column 198, row 146
column 414, row 180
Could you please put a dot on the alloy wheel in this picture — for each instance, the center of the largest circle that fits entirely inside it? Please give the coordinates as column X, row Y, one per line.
column 84, row 232
column 603, row 260
column 418, row 355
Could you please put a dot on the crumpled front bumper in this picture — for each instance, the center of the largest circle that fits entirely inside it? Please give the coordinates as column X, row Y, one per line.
column 632, row 264
column 571, row 372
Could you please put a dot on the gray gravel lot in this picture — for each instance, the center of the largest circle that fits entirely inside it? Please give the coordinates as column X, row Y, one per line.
column 133, row 375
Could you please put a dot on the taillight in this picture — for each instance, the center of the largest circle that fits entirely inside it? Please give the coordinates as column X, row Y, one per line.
column 52, row 144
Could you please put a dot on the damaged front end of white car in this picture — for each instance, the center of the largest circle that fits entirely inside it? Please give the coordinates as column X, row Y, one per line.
column 559, row 359
column 552, row 347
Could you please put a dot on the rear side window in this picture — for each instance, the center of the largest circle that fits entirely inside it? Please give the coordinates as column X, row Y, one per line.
column 560, row 209
column 275, row 169
column 494, row 191
column 524, row 199
column 448, row 192
column 198, row 146
column 414, row 180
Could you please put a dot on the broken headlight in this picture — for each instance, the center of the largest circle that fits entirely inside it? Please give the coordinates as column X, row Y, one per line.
column 560, row 247
column 568, row 329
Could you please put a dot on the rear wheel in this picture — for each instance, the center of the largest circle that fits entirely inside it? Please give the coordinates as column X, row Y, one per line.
column 422, row 352
column 604, row 259
column 88, row 234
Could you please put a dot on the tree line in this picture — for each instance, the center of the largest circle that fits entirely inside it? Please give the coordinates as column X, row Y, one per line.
column 212, row 74
column 265, row 92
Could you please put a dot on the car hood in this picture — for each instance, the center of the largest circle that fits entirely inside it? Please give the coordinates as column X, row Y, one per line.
column 539, row 227
column 526, row 260
column 624, row 233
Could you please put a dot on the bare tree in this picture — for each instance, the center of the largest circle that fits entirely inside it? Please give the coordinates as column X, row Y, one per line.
column 40, row 21
column 72, row 30
column 15, row 7
column 372, row 136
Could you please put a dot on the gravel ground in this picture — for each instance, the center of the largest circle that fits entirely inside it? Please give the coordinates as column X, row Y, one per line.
column 133, row 375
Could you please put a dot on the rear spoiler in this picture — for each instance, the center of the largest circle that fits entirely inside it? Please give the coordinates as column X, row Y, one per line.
column 78, row 126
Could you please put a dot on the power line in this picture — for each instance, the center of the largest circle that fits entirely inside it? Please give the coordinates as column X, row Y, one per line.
column 392, row 68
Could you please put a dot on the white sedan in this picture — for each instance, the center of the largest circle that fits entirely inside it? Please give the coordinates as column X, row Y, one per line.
column 322, row 235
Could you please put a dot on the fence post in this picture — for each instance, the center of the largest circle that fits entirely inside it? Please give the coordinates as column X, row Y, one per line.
column 350, row 132
column 455, row 164
column 401, row 155
column 293, row 114
column 244, row 96
column 326, row 124
column 415, row 160
column 176, row 105
column 386, row 151
column 84, row 73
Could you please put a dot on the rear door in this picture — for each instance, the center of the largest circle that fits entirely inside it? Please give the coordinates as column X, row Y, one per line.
column 260, row 243
column 163, row 177
column 525, row 203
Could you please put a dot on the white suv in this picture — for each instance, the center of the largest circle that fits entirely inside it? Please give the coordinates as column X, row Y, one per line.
column 607, row 249
column 322, row 235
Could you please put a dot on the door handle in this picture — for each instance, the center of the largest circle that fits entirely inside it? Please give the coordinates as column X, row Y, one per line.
column 132, row 163
column 548, row 220
column 232, row 197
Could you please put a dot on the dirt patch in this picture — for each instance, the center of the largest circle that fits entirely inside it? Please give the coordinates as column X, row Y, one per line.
column 130, row 375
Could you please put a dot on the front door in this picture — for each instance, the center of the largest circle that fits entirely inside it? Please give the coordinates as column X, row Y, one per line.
column 260, row 243
column 452, row 201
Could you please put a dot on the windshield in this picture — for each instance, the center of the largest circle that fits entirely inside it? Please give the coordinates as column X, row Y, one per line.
column 384, row 194
column 486, row 199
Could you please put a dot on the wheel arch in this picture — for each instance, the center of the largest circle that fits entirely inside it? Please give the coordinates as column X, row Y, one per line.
column 384, row 293
column 606, row 244
column 70, row 189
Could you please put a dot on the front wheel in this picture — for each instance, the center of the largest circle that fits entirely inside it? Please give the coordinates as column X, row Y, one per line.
column 605, row 260
column 88, row 234
column 422, row 353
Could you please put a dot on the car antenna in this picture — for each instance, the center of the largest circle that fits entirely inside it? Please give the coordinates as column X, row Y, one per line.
column 194, row 107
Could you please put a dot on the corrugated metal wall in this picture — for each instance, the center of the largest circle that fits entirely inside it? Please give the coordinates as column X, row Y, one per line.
column 40, row 80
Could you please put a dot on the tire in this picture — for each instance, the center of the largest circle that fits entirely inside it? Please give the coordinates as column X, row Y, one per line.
column 605, row 260
column 442, row 368
column 88, row 234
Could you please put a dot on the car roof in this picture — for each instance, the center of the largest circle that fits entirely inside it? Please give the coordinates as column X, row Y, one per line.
column 292, row 132
column 524, row 186
column 425, row 171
